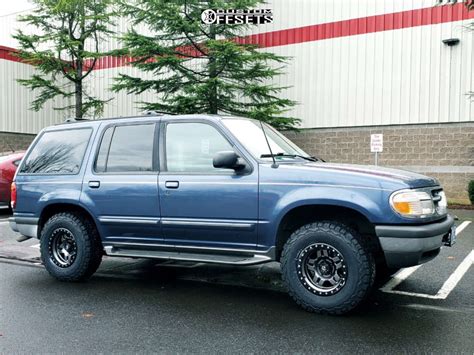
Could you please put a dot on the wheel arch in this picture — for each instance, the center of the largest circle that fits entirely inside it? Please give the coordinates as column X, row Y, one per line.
column 304, row 214
column 53, row 208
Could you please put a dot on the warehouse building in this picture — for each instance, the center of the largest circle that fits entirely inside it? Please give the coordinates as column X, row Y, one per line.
column 400, row 68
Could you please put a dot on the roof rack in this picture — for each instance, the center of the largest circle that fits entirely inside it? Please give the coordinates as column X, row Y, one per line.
column 151, row 113
column 75, row 119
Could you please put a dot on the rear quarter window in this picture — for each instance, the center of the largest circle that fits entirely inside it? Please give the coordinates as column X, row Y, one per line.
column 57, row 152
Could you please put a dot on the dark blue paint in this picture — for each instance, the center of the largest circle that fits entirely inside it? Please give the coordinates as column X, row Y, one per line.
column 258, row 199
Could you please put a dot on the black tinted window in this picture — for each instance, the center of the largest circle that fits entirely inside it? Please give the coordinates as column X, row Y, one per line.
column 127, row 148
column 58, row 152
column 100, row 164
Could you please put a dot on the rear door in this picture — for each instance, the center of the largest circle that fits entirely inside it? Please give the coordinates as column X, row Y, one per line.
column 121, row 183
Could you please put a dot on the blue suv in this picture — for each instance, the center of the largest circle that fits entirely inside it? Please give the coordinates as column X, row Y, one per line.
column 223, row 190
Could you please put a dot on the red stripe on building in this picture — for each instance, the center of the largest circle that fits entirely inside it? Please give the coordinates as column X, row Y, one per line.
column 353, row 27
column 363, row 25
column 7, row 53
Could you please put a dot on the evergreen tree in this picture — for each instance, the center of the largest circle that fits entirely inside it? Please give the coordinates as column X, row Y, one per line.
column 199, row 68
column 64, row 47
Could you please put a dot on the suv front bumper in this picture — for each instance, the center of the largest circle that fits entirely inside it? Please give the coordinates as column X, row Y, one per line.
column 405, row 246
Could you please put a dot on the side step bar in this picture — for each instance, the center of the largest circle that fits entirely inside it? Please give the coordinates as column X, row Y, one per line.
column 188, row 256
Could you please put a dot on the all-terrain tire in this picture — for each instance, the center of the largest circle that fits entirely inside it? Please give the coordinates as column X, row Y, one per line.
column 359, row 267
column 87, row 247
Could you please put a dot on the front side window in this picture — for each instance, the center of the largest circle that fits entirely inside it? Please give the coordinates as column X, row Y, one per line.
column 57, row 152
column 250, row 134
column 127, row 148
column 191, row 147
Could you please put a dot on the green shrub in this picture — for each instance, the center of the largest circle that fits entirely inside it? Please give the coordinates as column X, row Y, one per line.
column 470, row 190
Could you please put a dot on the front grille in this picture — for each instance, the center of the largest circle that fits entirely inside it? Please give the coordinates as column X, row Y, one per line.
column 438, row 202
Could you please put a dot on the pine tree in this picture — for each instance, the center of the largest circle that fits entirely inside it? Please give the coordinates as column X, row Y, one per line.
column 199, row 68
column 64, row 48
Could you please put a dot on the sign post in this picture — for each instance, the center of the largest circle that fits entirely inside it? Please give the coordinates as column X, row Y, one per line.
column 376, row 146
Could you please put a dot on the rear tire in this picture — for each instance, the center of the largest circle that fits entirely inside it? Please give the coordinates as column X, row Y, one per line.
column 71, row 249
column 327, row 268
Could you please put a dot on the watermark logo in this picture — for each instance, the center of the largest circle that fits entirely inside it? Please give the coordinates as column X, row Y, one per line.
column 208, row 16
column 469, row 3
column 236, row 16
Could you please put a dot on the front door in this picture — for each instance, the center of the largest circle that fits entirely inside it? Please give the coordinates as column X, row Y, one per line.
column 121, row 184
column 202, row 206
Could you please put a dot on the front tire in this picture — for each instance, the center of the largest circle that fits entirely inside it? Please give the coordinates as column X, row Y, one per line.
column 327, row 268
column 70, row 247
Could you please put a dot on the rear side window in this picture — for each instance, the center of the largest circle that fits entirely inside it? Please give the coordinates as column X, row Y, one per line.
column 57, row 152
column 127, row 148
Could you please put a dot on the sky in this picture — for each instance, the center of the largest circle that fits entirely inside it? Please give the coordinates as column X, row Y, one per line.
column 11, row 6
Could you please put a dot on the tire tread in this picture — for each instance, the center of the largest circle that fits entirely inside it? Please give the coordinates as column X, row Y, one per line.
column 93, row 246
column 367, row 269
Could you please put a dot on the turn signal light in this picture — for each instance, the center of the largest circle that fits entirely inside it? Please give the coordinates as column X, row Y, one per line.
column 412, row 203
column 13, row 195
column 402, row 207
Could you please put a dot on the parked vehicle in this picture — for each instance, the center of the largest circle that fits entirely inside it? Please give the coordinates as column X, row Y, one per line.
column 8, row 165
column 223, row 190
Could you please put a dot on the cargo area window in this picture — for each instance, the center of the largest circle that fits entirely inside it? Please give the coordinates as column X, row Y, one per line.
column 57, row 152
column 127, row 148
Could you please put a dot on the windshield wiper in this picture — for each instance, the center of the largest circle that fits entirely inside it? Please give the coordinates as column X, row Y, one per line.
column 289, row 156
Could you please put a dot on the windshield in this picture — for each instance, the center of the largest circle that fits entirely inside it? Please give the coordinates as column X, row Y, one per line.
column 249, row 133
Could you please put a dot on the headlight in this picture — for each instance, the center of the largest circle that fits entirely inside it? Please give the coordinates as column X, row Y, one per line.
column 412, row 203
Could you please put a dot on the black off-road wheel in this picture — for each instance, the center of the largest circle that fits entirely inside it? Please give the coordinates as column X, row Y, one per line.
column 327, row 268
column 71, row 249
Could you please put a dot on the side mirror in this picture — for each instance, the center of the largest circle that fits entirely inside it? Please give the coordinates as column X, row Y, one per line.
column 228, row 160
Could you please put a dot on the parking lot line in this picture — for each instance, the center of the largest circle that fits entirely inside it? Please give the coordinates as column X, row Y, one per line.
column 462, row 226
column 398, row 278
column 456, row 276
column 447, row 287
column 36, row 246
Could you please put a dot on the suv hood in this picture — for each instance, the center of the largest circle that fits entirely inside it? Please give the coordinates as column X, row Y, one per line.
column 383, row 176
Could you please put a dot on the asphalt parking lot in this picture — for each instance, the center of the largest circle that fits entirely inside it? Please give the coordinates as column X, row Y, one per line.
column 429, row 308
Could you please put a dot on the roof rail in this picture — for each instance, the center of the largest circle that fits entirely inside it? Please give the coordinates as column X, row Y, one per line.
column 151, row 113
column 75, row 119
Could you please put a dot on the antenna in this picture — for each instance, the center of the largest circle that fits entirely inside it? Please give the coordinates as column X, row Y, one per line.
column 274, row 165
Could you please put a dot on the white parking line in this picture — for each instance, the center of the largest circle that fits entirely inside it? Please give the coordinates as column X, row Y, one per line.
column 447, row 287
column 36, row 246
column 456, row 276
column 462, row 226
column 398, row 278
column 3, row 221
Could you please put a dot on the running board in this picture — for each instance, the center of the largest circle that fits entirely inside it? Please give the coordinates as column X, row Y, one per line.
column 188, row 256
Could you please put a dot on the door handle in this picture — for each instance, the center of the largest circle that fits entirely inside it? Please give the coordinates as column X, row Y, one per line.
column 94, row 184
column 172, row 184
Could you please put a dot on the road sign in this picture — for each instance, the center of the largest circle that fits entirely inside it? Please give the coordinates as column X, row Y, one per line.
column 376, row 143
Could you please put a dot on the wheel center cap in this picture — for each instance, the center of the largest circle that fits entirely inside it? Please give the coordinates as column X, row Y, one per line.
column 322, row 269
column 325, row 268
